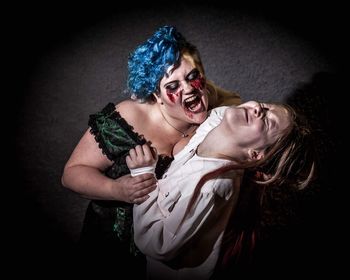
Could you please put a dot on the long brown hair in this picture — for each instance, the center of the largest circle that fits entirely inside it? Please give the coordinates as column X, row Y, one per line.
column 290, row 160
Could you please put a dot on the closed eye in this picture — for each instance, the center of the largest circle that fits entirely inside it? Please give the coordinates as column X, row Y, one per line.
column 194, row 74
column 266, row 119
column 172, row 87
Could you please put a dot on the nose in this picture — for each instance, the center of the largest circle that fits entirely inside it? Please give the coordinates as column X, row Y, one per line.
column 186, row 87
column 258, row 112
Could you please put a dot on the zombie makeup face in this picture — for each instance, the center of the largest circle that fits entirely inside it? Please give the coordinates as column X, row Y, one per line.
column 174, row 88
column 183, row 88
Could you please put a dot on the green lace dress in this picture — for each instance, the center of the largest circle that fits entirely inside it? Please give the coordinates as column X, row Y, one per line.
column 107, row 225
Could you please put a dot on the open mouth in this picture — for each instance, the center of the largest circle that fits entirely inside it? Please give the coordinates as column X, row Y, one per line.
column 194, row 104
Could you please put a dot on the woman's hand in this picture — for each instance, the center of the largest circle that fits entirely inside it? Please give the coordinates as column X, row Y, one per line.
column 141, row 161
column 142, row 156
column 135, row 189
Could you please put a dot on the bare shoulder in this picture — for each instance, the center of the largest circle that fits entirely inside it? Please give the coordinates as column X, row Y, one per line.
column 131, row 110
column 126, row 105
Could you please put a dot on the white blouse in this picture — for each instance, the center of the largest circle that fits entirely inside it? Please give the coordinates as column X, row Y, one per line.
column 191, row 250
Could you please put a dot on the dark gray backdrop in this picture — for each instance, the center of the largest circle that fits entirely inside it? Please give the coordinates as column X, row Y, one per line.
column 70, row 62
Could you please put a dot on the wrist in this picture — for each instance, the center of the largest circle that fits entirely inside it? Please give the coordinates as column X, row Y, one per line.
column 142, row 170
column 113, row 188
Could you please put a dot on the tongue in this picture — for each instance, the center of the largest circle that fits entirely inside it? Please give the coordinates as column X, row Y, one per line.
column 194, row 109
column 194, row 105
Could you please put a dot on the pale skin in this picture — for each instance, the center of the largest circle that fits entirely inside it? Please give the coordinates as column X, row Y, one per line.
column 245, row 132
column 83, row 172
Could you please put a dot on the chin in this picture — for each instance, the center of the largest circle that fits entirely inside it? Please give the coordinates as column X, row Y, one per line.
column 199, row 117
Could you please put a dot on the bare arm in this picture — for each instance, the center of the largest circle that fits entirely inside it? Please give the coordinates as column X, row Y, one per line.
column 83, row 173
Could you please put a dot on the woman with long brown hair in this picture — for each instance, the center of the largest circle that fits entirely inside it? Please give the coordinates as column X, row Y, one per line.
column 185, row 227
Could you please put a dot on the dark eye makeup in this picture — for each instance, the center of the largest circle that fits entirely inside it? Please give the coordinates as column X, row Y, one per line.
column 173, row 86
column 194, row 74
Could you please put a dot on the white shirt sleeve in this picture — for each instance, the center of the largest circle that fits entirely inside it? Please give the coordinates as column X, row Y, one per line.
column 156, row 224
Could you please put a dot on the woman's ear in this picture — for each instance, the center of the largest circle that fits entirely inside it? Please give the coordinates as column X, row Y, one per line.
column 157, row 97
column 255, row 155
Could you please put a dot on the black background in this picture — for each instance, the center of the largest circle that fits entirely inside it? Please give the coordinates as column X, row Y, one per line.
column 33, row 31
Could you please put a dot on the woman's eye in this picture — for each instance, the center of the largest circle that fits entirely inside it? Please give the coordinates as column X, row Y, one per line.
column 266, row 119
column 172, row 87
column 193, row 75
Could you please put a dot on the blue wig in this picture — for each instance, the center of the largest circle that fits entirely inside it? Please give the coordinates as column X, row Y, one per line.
column 149, row 62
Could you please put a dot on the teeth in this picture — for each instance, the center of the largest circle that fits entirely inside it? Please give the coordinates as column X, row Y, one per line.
column 192, row 103
column 191, row 99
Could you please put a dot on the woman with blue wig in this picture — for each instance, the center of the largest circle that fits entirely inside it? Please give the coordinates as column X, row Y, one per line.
column 170, row 97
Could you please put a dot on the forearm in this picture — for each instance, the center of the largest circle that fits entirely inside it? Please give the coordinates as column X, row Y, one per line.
column 90, row 182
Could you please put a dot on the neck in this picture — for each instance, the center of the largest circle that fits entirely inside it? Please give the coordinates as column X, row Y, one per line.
column 210, row 147
column 183, row 131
